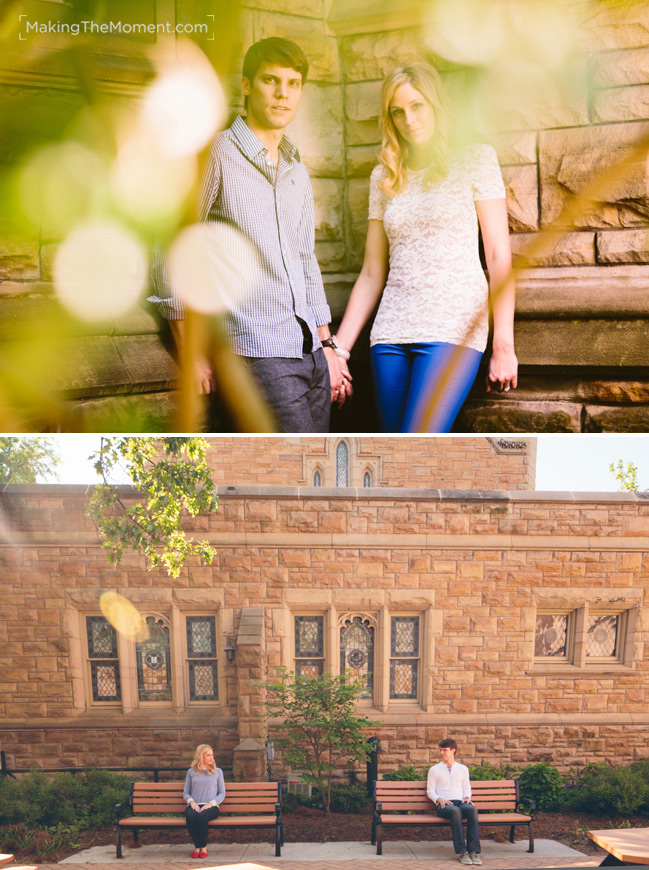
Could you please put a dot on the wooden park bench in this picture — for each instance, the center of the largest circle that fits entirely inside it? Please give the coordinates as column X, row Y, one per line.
column 161, row 805
column 400, row 804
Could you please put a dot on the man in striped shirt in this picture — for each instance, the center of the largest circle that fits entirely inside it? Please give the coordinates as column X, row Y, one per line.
column 254, row 181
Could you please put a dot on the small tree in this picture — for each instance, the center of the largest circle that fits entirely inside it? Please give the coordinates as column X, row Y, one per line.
column 319, row 729
column 22, row 460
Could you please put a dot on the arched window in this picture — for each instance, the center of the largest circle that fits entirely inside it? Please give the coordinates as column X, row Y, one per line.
column 367, row 479
column 154, row 662
column 317, row 479
column 342, row 464
column 357, row 652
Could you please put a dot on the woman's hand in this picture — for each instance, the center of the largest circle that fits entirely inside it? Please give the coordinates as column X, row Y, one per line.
column 503, row 370
column 195, row 807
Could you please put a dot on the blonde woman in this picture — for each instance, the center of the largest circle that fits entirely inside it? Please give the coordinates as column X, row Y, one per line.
column 422, row 260
column 204, row 790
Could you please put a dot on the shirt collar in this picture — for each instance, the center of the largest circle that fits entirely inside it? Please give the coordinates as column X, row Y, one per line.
column 252, row 147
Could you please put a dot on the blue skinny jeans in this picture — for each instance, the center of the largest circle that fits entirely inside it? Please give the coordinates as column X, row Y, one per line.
column 407, row 375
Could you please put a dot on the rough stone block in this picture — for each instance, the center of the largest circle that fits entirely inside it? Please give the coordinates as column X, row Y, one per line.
column 357, row 205
column 361, row 160
column 328, row 201
column 554, row 249
column 331, row 256
column 515, row 148
column 511, row 416
column 582, row 343
column 311, row 8
column 374, row 55
column 19, row 256
column 622, row 104
column 363, row 101
column 311, row 36
column 615, row 392
column 570, row 159
column 615, row 26
column 521, row 185
column 536, row 102
column 623, row 246
column 615, row 419
column 618, row 68
column 318, row 130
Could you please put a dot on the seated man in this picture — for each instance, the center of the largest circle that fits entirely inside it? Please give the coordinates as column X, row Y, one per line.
column 448, row 786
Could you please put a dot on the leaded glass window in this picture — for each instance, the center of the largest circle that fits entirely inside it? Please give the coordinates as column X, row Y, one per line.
column 104, row 664
column 201, row 656
column 317, row 479
column 154, row 662
column 602, row 635
column 342, row 464
column 367, row 479
column 309, row 646
column 357, row 652
column 404, row 657
column 551, row 635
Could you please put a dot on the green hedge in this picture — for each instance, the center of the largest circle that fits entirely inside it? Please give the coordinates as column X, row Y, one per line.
column 84, row 800
column 600, row 788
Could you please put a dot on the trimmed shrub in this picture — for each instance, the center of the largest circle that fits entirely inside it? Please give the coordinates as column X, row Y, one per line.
column 600, row 788
column 408, row 773
column 490, row 771
column 349, row 799
column 543, row 784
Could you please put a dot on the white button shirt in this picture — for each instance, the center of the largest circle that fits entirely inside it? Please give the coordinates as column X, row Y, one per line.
column 450, row 783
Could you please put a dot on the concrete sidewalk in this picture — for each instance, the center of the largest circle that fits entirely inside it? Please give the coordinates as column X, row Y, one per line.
column 397, row 855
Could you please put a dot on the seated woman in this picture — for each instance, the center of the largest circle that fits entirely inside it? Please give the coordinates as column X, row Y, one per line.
column 204, row 790
column 422, row 260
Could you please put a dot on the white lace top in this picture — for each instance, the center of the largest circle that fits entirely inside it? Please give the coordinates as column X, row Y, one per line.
column 436, row 289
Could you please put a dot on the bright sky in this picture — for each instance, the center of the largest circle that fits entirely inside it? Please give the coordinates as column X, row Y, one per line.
column 577, row 463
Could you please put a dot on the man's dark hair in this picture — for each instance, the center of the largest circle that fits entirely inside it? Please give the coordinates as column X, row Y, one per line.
column 448, row 742
column 277, row 50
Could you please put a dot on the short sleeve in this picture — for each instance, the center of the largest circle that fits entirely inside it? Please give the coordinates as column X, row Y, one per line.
column 484, row 173
column 377, row 197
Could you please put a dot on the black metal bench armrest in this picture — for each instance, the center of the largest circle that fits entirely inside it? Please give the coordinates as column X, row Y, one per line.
column 278, row 811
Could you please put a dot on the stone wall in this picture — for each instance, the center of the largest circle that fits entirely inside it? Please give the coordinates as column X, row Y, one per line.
column 475, row 566
column 455, row 463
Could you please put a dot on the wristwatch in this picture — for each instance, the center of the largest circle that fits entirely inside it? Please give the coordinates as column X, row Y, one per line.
column 332, row 342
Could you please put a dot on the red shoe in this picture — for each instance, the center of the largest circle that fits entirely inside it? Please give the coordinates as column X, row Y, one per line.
column 196, row 854
column 202, row 853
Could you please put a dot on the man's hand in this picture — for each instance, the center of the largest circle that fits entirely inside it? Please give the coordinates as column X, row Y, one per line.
column 467, row 801
column 205, row 380
column 441, row 803
column 338, row 389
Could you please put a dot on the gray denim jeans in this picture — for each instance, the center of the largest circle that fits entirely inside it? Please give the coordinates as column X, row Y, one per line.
column 455, row 812
column 298, row 390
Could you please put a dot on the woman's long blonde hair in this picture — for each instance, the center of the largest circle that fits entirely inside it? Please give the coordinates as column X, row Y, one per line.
column 197, row 764
column 394, row 150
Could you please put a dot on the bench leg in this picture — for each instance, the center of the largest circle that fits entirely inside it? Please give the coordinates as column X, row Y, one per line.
column 373, row 832
column 278, row 841
column 511, row 834
column 531, row 849
column 136, row 842
column 118, row 853
column 379, row 839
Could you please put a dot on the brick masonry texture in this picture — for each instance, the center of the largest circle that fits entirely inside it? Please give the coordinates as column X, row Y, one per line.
column 479, row 564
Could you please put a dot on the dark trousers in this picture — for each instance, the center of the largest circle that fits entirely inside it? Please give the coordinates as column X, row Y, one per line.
column 298, row 390
column 197, row 824
column 455, row 812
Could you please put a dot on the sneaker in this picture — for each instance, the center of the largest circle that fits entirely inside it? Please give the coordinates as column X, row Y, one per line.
column 475, row 858
column 464, row 858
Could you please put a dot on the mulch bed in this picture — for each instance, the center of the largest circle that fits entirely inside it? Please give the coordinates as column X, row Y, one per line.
column 306, row 825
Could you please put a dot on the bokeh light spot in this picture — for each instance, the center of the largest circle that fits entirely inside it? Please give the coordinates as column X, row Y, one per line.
column 213, row 266
column 100, row 270
column 123, row 615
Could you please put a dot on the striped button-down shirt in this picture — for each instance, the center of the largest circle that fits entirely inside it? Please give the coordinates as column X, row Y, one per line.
column 273, row 206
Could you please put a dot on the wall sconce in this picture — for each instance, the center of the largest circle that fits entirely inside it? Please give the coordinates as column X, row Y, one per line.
column 270, row 750
column 230, row 651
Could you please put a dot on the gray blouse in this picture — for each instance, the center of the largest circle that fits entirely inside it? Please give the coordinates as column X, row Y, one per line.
column 204, row 788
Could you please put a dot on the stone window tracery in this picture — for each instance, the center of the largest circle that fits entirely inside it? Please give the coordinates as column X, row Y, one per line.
column 585, row 636
column 342, row 464
column 153, row 657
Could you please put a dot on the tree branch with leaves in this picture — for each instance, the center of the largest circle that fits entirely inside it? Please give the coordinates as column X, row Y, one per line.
column 626, row 476
column 25, row 459
column 170, row 478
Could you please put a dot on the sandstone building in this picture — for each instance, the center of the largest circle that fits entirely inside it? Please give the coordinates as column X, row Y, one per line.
column 582, row 304
column 467, row 603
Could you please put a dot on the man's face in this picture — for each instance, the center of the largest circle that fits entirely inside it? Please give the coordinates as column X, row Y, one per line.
column 273, row 96
column 447, row 754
